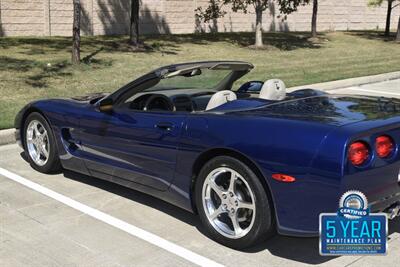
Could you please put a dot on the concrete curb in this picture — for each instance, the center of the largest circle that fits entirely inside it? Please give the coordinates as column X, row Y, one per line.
column 350, row 82
column 7, row 136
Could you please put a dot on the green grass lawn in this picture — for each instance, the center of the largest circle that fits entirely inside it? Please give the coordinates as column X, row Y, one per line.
column 34, row 68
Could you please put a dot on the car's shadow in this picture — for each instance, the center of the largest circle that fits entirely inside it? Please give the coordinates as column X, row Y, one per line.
column 298, row 249
column 304, row 250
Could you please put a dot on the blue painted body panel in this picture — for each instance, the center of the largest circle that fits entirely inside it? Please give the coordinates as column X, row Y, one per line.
column 305, row 137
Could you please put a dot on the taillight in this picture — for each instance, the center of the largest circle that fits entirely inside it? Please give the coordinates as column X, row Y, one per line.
column 384, row 146
column 358, row 153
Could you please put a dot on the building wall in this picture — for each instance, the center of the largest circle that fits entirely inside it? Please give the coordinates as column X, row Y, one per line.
column 105, row 17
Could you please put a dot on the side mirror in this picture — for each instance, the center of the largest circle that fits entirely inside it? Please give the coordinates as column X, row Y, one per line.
column 106, row 105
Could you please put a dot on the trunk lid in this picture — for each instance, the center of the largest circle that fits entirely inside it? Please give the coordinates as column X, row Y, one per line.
column 335, row 110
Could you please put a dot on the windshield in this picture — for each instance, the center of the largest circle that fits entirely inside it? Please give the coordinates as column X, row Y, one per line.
column 201, row 79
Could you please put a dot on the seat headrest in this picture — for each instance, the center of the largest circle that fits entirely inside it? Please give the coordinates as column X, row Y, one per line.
column 220, row 98
column 273, row 89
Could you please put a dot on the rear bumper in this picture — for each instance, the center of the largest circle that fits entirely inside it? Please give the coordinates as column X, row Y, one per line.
column 384, row 204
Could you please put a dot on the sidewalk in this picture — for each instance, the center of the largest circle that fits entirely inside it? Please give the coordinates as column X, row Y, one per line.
column 358, row 81
column 7, row 136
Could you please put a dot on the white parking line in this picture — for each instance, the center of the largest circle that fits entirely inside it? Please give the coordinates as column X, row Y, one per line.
column 117, row 223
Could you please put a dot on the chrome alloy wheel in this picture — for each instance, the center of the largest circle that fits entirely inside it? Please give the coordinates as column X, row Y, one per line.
column 37, row 142
column 228, row 202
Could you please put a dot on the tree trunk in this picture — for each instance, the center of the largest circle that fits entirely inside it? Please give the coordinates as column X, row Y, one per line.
column 314, row 19
column 259, row 34
column 134, row 26
column 76, row 33
column 388, row 15
column 398, row 31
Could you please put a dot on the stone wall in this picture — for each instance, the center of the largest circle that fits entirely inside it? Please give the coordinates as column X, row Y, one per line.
column 105, row 17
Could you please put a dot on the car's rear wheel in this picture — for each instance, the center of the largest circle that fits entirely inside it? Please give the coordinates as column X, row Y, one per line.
column 39, row 144
column 232, row 203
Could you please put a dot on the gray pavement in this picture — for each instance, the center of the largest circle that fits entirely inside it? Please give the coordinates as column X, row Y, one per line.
column 387, row 89
column 37, row 230
column 357, row 81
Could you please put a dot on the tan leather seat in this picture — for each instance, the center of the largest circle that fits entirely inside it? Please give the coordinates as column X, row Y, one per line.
column 273, row 89
column 220, row 98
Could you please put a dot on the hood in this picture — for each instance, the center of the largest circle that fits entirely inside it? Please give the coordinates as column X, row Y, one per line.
column 333, row 109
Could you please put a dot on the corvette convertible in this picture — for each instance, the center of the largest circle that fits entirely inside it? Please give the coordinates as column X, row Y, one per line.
column 250, row 159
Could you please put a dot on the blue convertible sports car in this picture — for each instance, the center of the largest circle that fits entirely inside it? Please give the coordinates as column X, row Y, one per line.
column 250, row 160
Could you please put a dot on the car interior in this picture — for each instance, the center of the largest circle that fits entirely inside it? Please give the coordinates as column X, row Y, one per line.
column 195, row 95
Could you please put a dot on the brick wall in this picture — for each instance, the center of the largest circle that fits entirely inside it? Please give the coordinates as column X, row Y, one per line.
column 103, row 17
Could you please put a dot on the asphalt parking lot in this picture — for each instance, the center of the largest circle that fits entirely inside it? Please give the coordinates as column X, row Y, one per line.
column 389, row 88
column 111, row 225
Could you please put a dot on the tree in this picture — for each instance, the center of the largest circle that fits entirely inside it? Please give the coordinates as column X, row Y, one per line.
column 290, row 6
column 134, row 24
column 398, row 31
column 314, row 19
column 76, row 33
column 214, row 11
column 390, row 7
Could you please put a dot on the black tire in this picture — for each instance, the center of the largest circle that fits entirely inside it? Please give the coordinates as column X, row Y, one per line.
column 53, row 164
column 264, row 223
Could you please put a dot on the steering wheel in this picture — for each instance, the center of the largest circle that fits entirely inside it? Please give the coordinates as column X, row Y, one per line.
column 159, row 102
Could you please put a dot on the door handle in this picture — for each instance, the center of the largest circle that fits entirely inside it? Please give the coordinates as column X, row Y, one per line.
column 164, row 126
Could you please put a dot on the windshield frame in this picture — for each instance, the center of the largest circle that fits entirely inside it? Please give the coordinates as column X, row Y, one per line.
column 239, row 68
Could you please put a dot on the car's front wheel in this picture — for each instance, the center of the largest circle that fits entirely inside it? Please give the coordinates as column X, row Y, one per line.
column 232, row 203
column 39, row 144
